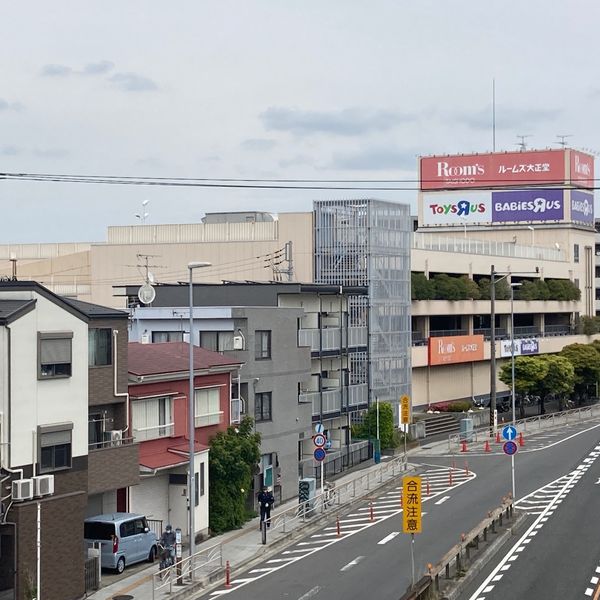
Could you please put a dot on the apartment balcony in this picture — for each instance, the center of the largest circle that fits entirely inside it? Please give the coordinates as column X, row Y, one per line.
column 332, row 338
column 357, row 396
column 112, row 465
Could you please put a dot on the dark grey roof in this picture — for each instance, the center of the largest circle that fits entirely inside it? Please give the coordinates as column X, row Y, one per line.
column 95, row 310
column 10, row 310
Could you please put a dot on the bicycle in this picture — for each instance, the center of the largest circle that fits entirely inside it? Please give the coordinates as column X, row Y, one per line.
column 167, row 558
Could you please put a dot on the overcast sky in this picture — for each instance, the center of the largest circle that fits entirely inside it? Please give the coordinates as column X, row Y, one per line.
column 326, row 89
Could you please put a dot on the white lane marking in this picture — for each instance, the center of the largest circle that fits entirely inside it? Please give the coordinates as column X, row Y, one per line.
column 352, row 563
column 589, row 592
column 512, row 553
column 243, row 580
column 311, row 593
column 497, row 578
column 302, row 550
column 389, row 538
column 442, row 500
column 280, row 560
column 594, row 580
column 260, row 570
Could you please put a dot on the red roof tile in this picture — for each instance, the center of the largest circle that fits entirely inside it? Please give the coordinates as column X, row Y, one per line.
column 172, row 357
column 170, row 457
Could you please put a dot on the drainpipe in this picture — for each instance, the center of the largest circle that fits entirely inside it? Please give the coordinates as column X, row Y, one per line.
column 116, row 394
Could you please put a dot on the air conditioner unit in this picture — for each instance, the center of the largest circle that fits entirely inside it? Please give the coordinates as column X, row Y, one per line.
column 43, row 485
column 22, row 489
column 145, row 338
column 238, row 342
column 116, row 437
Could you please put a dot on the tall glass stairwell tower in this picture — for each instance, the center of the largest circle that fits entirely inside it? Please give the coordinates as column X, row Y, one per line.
column 367, row 242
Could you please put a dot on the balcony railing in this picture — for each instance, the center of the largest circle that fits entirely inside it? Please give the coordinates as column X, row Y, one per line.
column 447, row 332
column 331, row 338
column 208, row 419
column 151, row 433
column 235, row 410
column 357, row 395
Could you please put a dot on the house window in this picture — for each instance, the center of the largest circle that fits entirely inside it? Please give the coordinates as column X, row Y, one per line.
column 152, row 418
column 54, row 354
column 99, row 347
column 159, row 337
column 576, row 253
column 202, row 491
column 262, row 345
column 217, row 341
column 208, row 406
column 262, row 406
column 54, row 447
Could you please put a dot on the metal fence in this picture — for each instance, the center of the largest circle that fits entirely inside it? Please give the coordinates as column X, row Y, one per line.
column 92, row 573
column 156, row 525
column 344, row 461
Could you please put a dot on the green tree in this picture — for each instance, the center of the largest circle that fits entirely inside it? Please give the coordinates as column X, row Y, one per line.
column 588, row 326
column 529, row 372
column 449, row 288
column 386, row 423
column 559, row 380
column 586, row 364
column 233, row 457
column 471, row 288
column 502, row 289
column 421, row 287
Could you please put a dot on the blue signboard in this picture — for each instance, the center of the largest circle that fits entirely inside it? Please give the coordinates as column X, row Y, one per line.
column 509, row 432
column 510, row 448
column 319, row 454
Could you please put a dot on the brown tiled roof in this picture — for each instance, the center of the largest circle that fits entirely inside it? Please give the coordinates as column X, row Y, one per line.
column 172, row 357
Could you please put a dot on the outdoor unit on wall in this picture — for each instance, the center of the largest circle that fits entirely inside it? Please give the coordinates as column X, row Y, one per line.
column 238, row 342
column 22, row 489
column 43, row 485
column 145, row 338
column 116, row 437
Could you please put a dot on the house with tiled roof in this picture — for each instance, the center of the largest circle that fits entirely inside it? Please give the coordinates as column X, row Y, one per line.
column 158, row 395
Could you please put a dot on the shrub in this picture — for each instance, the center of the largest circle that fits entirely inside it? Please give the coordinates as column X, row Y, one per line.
column 421, row 287
column 459, row 406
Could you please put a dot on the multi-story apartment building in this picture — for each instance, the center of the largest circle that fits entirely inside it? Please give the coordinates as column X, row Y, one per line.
column 303, row 363
column 47, row 467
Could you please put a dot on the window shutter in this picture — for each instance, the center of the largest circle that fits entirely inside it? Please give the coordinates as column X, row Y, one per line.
column 55, row 351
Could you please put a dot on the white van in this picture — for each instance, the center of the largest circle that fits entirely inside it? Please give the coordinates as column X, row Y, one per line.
column 125, row 537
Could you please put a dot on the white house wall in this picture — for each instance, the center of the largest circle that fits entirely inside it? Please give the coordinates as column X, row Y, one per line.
column 43, row 402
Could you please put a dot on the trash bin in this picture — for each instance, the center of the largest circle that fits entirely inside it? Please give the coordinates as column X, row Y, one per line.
column 466, row 430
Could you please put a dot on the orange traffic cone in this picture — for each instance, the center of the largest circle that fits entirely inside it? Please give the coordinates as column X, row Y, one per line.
column 521, row 440
column 487, row 448
column 464, row 446
column 497, row 437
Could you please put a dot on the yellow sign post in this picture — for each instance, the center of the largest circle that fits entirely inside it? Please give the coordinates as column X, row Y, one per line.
column 411, row 513
column 411, row 504
column 405, row 410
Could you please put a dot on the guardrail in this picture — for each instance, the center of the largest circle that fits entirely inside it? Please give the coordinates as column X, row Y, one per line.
column 455, row 562
column 192, row 569
column 530, row 424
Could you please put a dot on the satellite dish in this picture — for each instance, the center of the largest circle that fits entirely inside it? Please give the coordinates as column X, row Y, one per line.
column 146, row 294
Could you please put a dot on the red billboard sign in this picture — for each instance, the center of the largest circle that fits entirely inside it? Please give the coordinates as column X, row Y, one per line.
column 582, row 169
column 536, row 167
column 455, row 349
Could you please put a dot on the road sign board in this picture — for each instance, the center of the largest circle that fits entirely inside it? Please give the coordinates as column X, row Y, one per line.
column 411, row 504
column 404, row 410
column 319, row 440
column 509, row 433
column 319, row 454
column 510, row 448
column 319, row 428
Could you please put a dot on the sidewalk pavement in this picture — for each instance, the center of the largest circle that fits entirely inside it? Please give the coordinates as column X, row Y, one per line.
column 244, row 546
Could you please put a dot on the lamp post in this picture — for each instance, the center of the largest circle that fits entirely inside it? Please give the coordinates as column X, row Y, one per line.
column 531, row 228
column 192, row 416
column 512, row 376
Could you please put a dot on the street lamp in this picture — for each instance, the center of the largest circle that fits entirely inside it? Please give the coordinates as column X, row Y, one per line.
column 512, row 369
column 192, row 416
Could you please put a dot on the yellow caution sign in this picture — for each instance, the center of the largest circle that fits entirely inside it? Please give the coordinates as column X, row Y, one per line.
column 405, row 410
column 411, row 504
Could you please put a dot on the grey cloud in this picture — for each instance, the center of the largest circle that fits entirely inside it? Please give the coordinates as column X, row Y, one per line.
column 295, row 161
column 54, row 70
column 506, row 118
column 260, row 144
column 132, row 82
column 99, row 68
column 6, row 105
column 347, row 122
column 9, row 151
column 373, row 159
column 50, row 153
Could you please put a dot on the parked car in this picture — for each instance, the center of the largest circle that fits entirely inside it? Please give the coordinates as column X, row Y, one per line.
column 125, row 537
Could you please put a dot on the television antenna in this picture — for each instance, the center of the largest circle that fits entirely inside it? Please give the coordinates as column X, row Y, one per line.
column 143, row 214
column 562, row 139
column 522, row 143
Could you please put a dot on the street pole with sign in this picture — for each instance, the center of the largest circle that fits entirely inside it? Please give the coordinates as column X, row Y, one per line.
column 405, row 420
column 411, row 514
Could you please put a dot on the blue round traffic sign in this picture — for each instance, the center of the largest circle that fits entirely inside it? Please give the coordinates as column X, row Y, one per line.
column 510, row 448
column 319, row 454
column 509, row 432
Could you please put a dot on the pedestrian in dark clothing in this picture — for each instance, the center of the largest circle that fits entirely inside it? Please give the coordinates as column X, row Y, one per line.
column 265, row 502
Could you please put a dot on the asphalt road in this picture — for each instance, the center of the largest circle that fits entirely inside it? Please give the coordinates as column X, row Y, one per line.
column 363, row 565
column 558, row 555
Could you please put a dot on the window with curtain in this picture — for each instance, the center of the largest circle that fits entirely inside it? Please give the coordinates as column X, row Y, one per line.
column 159, row 337
column 208, row 406
column 152, row 418
column 262, row 345
column 262, row 406
column 54, row 354
column 99, row 347
column 217, row 341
